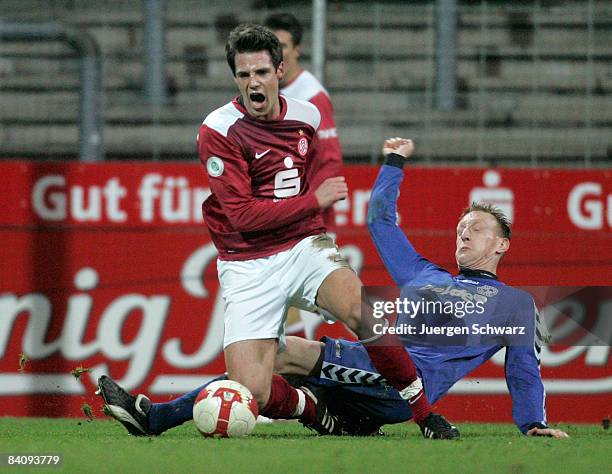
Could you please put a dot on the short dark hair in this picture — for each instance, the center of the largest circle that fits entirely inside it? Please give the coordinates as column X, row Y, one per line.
column 500, row 217
column 250, row 38
column 287, row 22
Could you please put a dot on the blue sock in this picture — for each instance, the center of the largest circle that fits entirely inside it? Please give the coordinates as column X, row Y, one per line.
column 163, row 416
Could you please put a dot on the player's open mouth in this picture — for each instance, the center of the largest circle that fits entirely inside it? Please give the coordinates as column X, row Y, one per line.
column 257, row 97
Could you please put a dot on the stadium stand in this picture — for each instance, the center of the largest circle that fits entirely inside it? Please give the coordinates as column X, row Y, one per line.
column 534, row 81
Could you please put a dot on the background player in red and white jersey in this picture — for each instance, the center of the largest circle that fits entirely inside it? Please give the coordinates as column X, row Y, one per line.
column 265, row 220
column 327, row 161
column 301, row 84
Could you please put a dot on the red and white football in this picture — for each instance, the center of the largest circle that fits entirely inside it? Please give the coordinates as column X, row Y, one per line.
column 225, row 409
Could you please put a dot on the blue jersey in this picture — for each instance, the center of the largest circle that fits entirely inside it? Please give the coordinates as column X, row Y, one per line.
column 440, row 366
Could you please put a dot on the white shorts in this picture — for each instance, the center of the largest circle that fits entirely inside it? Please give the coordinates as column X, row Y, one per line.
column 258, row 292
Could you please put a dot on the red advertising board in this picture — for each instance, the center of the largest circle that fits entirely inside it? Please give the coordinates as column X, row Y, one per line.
column 109, row 267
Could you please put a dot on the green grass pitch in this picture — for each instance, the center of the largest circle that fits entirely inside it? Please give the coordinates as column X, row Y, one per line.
column 104, row 446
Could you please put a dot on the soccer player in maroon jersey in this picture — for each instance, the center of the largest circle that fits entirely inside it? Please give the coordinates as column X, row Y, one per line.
column 299, row 83
column 265, row 220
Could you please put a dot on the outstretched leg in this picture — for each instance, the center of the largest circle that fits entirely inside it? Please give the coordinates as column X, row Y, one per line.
column 340, row 294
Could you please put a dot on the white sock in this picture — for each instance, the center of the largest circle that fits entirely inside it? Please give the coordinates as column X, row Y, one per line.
column 299, row 409
column 412, row 390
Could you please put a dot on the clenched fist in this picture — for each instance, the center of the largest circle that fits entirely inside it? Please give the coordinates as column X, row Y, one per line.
column 401, row 146
column 330, row 191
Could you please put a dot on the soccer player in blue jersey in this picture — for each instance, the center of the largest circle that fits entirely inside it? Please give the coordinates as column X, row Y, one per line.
column 482, row 239
column 340, row 371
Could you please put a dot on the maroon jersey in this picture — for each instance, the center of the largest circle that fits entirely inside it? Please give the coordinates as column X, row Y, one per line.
column 261, row 202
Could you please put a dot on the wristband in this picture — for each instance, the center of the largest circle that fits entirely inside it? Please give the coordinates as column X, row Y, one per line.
column 393, row 159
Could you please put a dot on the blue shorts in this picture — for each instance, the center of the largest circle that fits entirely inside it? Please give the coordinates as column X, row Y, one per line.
column 351, row 387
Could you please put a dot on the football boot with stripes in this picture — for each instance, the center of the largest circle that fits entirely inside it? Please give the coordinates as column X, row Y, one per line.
column 437, row 427
column 131, row 411
column 325, row 423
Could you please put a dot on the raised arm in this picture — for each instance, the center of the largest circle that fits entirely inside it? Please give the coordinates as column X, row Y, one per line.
column 397, row 253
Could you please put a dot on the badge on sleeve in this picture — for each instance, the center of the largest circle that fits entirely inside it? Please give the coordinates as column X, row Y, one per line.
column 215, row 166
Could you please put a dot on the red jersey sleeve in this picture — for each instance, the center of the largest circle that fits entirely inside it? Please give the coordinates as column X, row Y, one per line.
column 230, row 182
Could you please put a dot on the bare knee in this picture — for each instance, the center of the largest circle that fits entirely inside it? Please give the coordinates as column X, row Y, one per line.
column 353, row 317
column 250, row 363
column 349, row 312
column 258, row 386
column 299, row 357
column 340, row 294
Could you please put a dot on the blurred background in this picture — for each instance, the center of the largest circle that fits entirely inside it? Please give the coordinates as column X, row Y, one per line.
column 475, row 82
column 110, row 268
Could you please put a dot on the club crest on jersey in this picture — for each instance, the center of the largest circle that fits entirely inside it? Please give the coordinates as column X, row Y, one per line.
column 303, row 146
column 487, row 290
column 215, row 166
